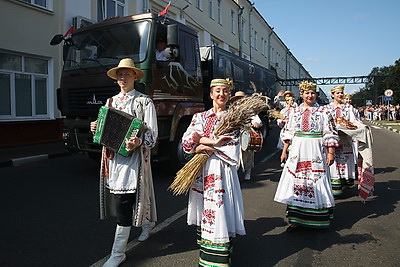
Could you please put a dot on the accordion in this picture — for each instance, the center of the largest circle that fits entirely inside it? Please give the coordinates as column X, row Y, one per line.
column 113, row 127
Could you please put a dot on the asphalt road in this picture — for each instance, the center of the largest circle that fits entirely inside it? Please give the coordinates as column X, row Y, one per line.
column 50, row 218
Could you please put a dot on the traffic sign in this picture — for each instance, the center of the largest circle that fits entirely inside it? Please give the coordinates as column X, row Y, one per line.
column 368, row 102
column 388, row 92
column 388, row 98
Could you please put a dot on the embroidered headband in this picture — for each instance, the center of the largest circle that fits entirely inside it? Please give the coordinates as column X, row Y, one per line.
column 337, row 88
column 222, row 82
column 347, row 96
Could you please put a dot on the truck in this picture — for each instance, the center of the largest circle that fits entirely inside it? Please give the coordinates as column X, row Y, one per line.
column 179, row 87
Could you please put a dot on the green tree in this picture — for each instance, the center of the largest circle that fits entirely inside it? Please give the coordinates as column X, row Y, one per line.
column 382, row 78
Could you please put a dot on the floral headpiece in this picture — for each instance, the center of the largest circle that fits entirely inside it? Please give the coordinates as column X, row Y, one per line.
column 337, row 88
column 346, row 95
column 222, row 82
column 306, row 85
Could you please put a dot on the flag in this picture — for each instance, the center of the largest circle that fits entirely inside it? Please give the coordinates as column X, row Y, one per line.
column 70, row 31
column 165, row 9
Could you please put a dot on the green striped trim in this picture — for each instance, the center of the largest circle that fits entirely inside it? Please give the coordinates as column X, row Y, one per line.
column 308, row 134
column 215, row 254
column 309, row 217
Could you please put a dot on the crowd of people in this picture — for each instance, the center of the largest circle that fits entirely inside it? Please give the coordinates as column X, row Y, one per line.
column 318, row 163
column 380, row 112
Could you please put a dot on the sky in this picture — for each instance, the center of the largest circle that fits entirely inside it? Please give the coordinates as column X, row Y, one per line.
column 340, row 38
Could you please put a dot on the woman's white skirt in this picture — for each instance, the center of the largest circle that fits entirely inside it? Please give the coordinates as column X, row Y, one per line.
column 305, row 180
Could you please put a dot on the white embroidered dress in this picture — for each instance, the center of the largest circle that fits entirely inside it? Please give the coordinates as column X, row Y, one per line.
column 124, row 171
column 346, row 155
column 215, row 199
column 305, row 180
column 285, row 113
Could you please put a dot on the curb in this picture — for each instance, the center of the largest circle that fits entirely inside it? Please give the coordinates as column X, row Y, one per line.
column 383, row 126
column 24, row 160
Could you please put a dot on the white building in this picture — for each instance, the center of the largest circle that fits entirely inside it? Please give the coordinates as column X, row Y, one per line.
column 30, row 68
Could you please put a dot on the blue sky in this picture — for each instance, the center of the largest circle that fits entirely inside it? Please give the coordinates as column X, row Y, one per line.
column 337, row 38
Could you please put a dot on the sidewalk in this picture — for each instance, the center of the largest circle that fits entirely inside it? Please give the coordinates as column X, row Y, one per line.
column 385, row 126
column 16, row 156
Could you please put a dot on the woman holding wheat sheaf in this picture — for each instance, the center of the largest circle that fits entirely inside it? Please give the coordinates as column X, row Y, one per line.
column 215, row 197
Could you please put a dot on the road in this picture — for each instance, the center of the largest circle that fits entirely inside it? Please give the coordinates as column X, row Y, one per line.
column 50, row 218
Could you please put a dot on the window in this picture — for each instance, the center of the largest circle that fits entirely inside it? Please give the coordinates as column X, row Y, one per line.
column 255, row 40
column 262, row 46
column 198, row 4
column 232, row 21
column 243, row 29
column 211, row 8
column 47, row 4
column 115, row 8
column 23, row 87
column 219, row 12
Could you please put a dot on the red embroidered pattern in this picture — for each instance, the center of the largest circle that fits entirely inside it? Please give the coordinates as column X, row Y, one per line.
column 209, row 125
column 209, row 182
column 208, row 216
column 302, row 190
column 338, row 112
column 303, row 166
column 305, row 121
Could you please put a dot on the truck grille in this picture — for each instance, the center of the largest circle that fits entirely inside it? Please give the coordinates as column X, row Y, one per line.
column 87, row 101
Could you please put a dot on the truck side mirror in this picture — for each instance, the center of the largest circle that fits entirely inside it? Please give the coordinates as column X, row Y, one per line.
column 172, row 50
column 172, row 35
column 57, row 39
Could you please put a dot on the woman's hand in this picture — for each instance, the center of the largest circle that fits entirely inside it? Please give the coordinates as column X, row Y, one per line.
column 222, row 140
column 196, row 137
column 93, row 126
column 283, row 156
column 330, row 158
column 132, row 143
column 203, row 148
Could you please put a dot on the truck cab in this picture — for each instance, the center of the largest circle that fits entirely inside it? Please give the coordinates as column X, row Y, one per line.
column 174, row 83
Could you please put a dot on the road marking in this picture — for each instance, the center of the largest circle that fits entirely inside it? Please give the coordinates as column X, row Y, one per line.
column 269, row 156
column 164, row 224
column 375, row 127
column 156, row 229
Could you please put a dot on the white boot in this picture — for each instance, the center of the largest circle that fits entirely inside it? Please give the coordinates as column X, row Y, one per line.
column 247, row 176
column 118, row 250
column 146, row 231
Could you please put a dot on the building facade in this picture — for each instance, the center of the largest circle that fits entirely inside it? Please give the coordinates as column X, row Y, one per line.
column 30, row 69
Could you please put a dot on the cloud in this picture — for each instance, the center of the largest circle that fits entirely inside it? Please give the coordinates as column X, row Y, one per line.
column 361, row 16
column 314, row 59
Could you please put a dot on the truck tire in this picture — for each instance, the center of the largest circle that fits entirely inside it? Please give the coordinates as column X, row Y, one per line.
column 179, row 157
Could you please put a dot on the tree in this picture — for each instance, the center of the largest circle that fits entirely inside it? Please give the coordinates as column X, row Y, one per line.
column 386, row 77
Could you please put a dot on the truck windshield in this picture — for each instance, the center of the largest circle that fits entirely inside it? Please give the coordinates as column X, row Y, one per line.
column 106, row 46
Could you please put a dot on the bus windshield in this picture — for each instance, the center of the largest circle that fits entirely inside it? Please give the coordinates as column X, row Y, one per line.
column 106, row 46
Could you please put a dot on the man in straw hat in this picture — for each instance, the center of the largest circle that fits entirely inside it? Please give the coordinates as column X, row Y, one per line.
column 247, row 156
column 122, row 178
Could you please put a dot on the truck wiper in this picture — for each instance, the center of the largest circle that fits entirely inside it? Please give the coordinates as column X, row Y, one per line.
column 77, row 64
column 95, row 60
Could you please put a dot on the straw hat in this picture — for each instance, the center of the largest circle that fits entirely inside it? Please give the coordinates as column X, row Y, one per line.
column 125, row 63
column 288, row 94
column 238, row 94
